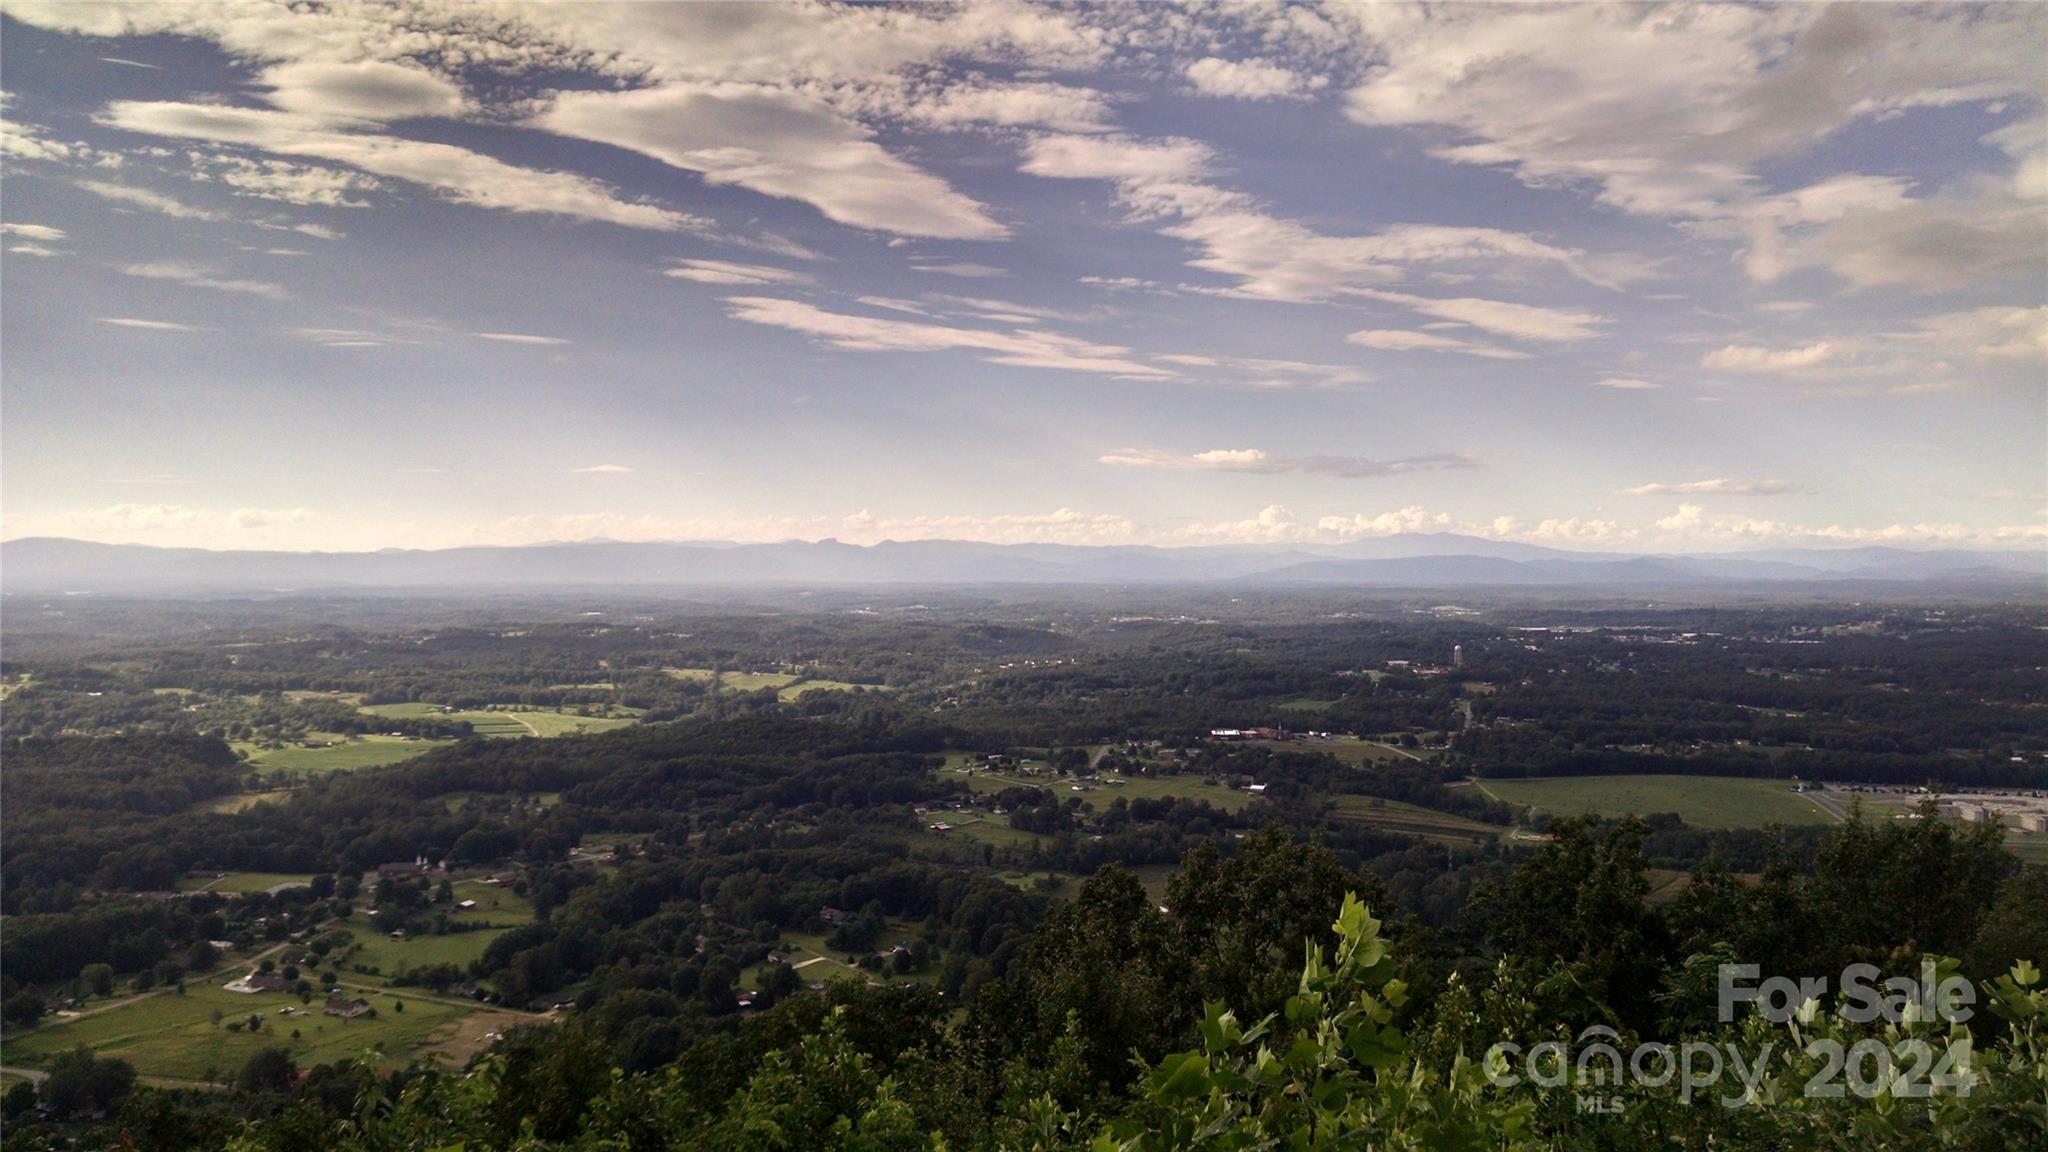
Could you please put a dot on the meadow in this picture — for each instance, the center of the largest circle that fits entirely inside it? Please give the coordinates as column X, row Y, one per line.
column 341, row 754
column 490, row 722
column 175, row 1036
column 240, row 882
column 1702, row 801
column 1413, row 820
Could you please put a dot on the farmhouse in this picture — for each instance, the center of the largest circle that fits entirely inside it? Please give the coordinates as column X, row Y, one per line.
column 347, row 1009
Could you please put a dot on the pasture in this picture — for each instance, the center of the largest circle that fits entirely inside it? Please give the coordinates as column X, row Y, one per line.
column 171, row 1035
column 340, row 754
column 1701, row 801
column 510, row 722
column 240, row 883
column 1413, row 820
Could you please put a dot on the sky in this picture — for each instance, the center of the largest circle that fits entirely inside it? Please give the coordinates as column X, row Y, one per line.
column 350, row 276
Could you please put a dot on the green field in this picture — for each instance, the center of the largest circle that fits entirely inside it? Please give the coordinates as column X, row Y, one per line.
column 508, row 723
column 1413, row 820
column 342, row 754
column 735, row 681
column 497, row 906
column 171, row 1035
column 239, row 882
column 1100, row 793
column 792, row 691
column 1702, row 801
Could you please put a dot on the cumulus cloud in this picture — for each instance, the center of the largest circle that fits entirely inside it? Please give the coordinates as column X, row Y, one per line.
column 1259, row 461
column 1250, row 80
column 1020, row 347
column 1720, row 486
column 306, row 185
column 372, row 90
column 729, row 272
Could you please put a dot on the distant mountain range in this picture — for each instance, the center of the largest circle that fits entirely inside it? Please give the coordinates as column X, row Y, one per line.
column 1416, row 560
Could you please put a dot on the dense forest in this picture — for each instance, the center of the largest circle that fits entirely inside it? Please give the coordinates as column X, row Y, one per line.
column 1137, row 934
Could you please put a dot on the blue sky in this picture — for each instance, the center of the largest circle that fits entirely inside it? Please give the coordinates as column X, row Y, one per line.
column 1678, row 278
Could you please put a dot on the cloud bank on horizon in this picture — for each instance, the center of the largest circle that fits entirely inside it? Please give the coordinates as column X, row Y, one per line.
column 1674, row 277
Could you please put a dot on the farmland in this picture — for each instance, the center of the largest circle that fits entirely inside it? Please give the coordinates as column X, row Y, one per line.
column 240, row 882
column 1413, row 820
column 491, row 722
column 1702, row 801
column 173, row 1035
column 337, row 753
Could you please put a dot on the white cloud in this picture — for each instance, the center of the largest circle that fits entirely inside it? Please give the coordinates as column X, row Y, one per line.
column 1669, row 111
column 463, row 176
column 33, row 250
column 1748, row 358
column 1995, row 333
column 519, row 338
column 965, row 269
column 1022, row 347
column 32, row 231
column 1720, row 486
column 1249, row 80
column 728, row 272
column 306, row 185
column 1626, row 384
column 1035, row 104
column 369, row 90
column 603, row 470
column 1160, row 182
column 1259, row 461
column 194, row 276
column 146, row 325
column 1521, row 321
column 1401, row 340
column 144, row 198
column 777, row 143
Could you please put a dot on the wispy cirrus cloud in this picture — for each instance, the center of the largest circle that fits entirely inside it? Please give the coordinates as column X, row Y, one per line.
column 146, row 325
column 1019, row 347
column 730, row 272
column 1257, row 460
column 1719, row 486
column 194, row 276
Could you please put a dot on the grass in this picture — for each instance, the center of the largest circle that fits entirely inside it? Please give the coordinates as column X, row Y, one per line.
column 792, row 691
column 240, row 883
column 343, row 754
column 1701, row 801
column 1349, row 749
column 1413, row 820
column 1188, row 787
column 174, row 1036
column 506, row 723
column 499, row 907
column 736, row 681
column 240, row 801
column 1306, row 705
